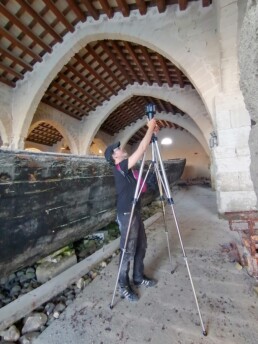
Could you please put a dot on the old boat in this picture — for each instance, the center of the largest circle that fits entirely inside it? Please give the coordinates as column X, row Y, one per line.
column 50, row 200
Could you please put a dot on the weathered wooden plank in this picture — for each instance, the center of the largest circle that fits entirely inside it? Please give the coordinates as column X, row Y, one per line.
column 50, row 200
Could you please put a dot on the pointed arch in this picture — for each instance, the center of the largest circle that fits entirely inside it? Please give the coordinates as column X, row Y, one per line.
column 142, row 30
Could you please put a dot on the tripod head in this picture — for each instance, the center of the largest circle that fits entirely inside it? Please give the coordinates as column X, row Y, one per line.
column 150, row 110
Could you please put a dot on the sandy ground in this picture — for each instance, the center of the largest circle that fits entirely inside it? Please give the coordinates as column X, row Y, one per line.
column 167, row 313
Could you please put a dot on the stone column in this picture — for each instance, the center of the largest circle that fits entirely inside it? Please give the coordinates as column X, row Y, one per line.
column 235, row 190
column 248, row 62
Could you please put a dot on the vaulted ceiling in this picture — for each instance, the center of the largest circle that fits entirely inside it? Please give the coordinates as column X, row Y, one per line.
column 30, row 28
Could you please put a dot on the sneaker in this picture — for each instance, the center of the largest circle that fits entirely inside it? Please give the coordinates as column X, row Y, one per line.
column 128, row 294
column 147, row 282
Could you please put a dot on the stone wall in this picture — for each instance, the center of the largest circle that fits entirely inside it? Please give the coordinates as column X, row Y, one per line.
column 5, row 114
column 248, row 62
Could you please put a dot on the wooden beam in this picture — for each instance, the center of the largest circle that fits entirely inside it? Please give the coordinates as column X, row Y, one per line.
column 13, row 19
column 136, row 61
column 161, row 4
column 179, row 77
column 39, row 20
column 85, row 105
column 182, row 4
column 16, row 59
column 7, row 81
column 164, row 69
column 150, row 64
column 94, row 73
column 141, row 4
column 20, row 45
column 103, row 65
column 108, row 51
column 11, row 71
column 79, row 88
column 64, row 102
column 59, row 15
column 76, row 9
column 206, row 3
column 124, row 8
column 107, row 9
column 87, row 82
column 162, row 105
column 118, row 50
column 64, row 111
column 92, row 10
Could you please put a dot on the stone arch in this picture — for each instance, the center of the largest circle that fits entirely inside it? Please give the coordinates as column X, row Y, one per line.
column 143, row 30
column 185, row 99
column 56, row 120
column 98, row 144
column 3, row 135
column 185, row 123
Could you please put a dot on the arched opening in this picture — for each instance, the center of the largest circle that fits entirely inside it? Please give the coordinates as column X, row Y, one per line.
column 44, row 137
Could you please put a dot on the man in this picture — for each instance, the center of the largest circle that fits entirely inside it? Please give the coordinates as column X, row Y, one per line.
column 125, row 189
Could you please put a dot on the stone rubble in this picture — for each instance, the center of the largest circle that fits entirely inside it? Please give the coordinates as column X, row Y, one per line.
column 25, row 280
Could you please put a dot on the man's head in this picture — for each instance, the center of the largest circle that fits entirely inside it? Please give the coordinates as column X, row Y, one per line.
column 114, row 154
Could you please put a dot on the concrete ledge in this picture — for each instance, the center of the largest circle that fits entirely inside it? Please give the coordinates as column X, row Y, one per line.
column 19, row 308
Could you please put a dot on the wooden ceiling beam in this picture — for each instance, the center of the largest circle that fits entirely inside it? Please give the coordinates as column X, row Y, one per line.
column 206, row 3
column 182, row 4
column 136, row 61
column 104, row 66
column 15, row 59
column 14, row 20
column 18, row 43
column 73, row 96
column 112, row 56
column 59, row 15
column 93, row 72
column 51, row 94
column 124, row 8
column 170, row 107
column 162, row 105
column 7, row 82
column 141, row 4
column 150, row 64
column 78, row 88
column 58, row 107
column 179, row 77
column 87, row 82
column 165, row 69
column 39, row 20
column 108, row 10
column 76, row 9
column 92, row 10
column 11, row 71
column 118, row 50
column 161, row 4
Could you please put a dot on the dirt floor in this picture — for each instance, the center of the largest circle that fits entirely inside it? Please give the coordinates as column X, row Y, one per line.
column 167, row 313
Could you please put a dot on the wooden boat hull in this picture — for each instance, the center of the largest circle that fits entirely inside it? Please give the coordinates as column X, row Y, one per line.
column 50, row 200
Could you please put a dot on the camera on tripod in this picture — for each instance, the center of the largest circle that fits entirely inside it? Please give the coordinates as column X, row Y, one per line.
column 150, row 110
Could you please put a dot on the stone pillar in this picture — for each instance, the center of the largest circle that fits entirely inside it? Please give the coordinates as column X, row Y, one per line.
column 17, row 143
column 232, row 156
column 248, row 62
column 235, row 190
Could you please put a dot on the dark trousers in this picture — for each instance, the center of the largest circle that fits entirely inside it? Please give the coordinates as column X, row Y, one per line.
column 135, row 248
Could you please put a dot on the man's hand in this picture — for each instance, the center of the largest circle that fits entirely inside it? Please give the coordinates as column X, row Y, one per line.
column 152, row 124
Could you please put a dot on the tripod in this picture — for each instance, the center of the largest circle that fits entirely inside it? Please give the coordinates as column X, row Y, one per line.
column 158, row 166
